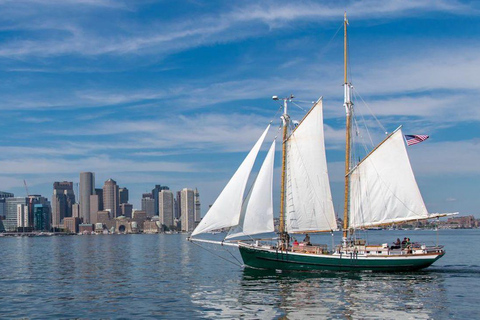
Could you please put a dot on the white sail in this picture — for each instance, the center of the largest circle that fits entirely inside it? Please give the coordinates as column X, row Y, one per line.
column 309, row 205
column 225, row 211
column 257, row 216
column 383, row 188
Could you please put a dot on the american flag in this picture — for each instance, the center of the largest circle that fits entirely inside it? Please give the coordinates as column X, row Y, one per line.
column 415, row 138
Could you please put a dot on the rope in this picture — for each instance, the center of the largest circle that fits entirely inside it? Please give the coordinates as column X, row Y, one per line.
column 371, row 112
column 324, row 50
column 219, row 256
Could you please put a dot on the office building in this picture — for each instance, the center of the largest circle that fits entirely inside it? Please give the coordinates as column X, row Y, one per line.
column 87, row 188
column 62, row 200
column 41, row 217
column 3, row 206
column 70, row 224
column 123, row 195
column 148, row 205
column 76, row 210
column 178, row 205
column 165, row 206
column 110, row 197
column 96, row 204
column 197, row 214
column 22, row 216
column 188, row 209
column 155, row 193
column 10, row 223
column 126, row 210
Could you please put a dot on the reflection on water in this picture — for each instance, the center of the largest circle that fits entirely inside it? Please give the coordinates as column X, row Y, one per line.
column 348, row 295
column 164, row 276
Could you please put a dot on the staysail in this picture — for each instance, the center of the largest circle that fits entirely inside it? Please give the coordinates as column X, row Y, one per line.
column 383, row 188
column 225, row 211
column 257, row 213
column 309, row 205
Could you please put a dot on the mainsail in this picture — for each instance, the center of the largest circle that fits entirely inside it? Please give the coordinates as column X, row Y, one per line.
column 225, row 211
column 309, row 205
column 257, row 213
column 383, row 188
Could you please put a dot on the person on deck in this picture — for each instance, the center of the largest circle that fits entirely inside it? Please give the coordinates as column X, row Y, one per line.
column 404, row 242
column 295, row 243
column 307, row 240
column 397, row 243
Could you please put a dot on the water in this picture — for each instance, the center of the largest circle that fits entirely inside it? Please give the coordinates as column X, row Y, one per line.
column 164, row 276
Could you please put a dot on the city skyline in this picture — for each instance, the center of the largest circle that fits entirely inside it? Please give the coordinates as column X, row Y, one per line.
column 176, row 94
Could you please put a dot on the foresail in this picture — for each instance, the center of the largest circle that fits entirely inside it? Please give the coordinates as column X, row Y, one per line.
column 257, row 213
column 309, row 205
column 225, row 211
column 383, row 189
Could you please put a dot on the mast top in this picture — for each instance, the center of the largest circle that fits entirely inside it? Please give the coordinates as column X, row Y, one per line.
column 345, row 24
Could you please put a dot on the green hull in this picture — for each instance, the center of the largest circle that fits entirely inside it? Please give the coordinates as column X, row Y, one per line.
column 281, row 260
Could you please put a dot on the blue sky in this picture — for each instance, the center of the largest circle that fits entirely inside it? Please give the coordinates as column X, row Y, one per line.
column 176, row 92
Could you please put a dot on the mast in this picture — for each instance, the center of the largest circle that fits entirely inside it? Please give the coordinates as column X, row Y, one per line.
column 285, row 120
column 348, row 110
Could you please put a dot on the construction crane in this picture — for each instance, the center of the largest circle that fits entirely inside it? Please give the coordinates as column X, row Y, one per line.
column 26, row 187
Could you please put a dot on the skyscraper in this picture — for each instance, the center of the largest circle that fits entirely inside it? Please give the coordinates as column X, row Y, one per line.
column 148, row 205
column 188, row 210
column 41, row 217
column 62, row 200
column 87, row 187
column 197, row 215
column 155, row 193
column 123, row 195
column 3, row 206
column 165, row 206
column 110, row 197
column 178, row 205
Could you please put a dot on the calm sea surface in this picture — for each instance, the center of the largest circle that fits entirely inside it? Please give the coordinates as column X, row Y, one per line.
column 164, row 276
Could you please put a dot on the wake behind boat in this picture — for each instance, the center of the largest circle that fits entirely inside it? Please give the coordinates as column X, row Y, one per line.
column 379, row 190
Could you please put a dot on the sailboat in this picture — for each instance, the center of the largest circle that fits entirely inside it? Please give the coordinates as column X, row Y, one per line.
column 380, row 190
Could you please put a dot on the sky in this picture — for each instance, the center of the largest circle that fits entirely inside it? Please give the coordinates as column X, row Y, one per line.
column 177, row 92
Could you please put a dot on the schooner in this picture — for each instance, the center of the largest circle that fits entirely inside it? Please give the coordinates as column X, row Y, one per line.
column 379, row 190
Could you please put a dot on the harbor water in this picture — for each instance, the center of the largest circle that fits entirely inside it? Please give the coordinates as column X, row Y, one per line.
column 165, row 276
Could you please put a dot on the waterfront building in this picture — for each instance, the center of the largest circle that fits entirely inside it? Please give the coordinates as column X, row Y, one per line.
column 41, row 217
column 197, row 214
column 110, row 197
column 32, row 201
column 139, row 215
column 165, row 206
column 85, row 228
column 3, row 206
column 148, row 205
column 104, row 218
column 188, row 210
column 126, row 209
column 10, row 223
column 151, row 227
column 22, row 216
column 70, row 224
column 123, row 195
column 155, row 193
column 87, row 187
column 62, row 200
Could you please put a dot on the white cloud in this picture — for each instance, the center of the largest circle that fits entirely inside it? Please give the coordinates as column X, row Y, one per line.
column 103, row 164
column 161, row 37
